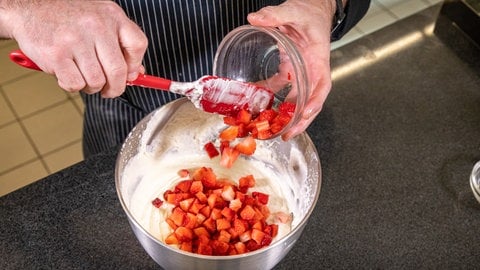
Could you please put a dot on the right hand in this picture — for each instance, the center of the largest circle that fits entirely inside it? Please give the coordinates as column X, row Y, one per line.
column 88, row 45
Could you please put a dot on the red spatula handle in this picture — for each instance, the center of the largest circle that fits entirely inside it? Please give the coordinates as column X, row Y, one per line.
column 18, row 57
column 21, row 59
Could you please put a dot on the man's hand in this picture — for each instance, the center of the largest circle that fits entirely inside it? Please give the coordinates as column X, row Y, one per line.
column 88, row 45
column 308, row 23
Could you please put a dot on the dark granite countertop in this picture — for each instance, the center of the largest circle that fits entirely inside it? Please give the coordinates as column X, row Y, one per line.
column 397, row 139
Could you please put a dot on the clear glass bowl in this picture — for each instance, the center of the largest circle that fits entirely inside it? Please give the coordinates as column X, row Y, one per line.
column 267, row 57
column 475, row 180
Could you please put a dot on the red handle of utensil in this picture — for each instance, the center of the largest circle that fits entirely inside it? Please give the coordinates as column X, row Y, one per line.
column 18, row 57
column 21, row 59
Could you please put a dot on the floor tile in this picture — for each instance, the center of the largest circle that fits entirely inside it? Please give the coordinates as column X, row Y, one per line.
column 375, row 22
column 6, row 114
column 15, row 147
column 9, row 70
column 33, row 93
column 54, row 128
column 64, row 157
column 79, row 104
column 407, row 8
column 21, row 176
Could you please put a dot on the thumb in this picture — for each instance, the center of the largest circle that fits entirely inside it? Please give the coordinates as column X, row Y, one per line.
column 267, row 16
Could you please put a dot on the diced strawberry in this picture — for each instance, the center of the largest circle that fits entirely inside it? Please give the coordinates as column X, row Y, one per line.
column 211, row 150
column 201, row 197
column 262, row 125
column 240, row 195
column 223, row 145
column 282, row 119
column 210, row 224
column 240, row 247
column 219, row 247
column 157, row 202
column 283, row 217
column 264, row 210
column 224, row 236
column 216, row 214
column 243, row 117
column 230, row 120
column 203, row 240
column 245, row 236
column 276, row 127
column 183, row 173
column 247, row 212
column 204, row 249
column 195, row 206
column 232, row 250
column 229, row 156
column 222, row 182
column 258, row 225
column 171, row 223
column 246, row 182
column 196, row 187
column 271, row 230
column 264, row 134
column 212, row 200
column 261, row 197
column 286, row 107
column 228, row 193
column 200, row 219
column 239, row 226
column 258, row 236
column 252, row 245
column 229, row 133
column 190, row 221
column 247, row 146
column 178, row 216
column 176, row 198
column 201, row 231
column 267, row 240
column 268, row 115
column 185, row 204
column 258, row 214
column 171, row 239
column 242, row 131
column 186, row 246
column 183, row 186
column 206, row 175
column 184, row 234
column 228, row 213
column 249, row 200
column 223, row 224
column 235, row 205
column 206, row 211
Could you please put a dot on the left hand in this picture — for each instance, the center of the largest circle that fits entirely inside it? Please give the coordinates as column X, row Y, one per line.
column 308, row 23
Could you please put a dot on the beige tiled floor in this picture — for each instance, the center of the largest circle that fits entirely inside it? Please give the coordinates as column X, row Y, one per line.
column 40, row 125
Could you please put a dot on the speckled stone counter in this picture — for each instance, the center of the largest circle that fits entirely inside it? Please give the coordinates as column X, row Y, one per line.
column 397, row 138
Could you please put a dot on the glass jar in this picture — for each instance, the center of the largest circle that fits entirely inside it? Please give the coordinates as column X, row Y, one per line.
column 267, row 57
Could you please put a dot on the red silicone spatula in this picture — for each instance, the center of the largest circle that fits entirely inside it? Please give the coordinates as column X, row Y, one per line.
column 209, row 93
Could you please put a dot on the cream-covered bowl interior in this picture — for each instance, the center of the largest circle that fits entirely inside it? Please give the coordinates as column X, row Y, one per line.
column 172, row 138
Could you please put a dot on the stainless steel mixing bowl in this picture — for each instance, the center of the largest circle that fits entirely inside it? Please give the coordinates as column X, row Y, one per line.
column 298, row 158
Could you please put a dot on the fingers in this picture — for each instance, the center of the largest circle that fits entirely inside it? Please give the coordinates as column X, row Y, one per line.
column 88, row 45
column 134, row 44
column 311, row 110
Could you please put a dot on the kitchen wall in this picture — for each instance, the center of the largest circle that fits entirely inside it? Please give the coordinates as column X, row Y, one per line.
column 41, row 125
